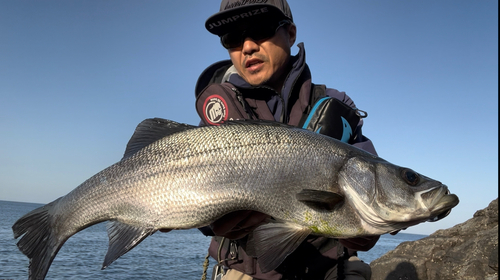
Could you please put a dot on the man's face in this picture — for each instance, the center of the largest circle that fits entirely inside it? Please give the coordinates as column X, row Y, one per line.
column 265, row 62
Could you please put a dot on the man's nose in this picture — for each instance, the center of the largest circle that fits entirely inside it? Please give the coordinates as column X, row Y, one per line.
column 249, row 46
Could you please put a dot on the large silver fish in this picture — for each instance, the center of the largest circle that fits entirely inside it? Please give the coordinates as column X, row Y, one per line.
column 177, row 176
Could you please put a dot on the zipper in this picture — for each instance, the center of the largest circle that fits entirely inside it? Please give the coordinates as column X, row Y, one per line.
column 244, row 104
column 283, row 107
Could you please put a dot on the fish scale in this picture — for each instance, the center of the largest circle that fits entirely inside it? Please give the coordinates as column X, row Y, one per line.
column 177, row 176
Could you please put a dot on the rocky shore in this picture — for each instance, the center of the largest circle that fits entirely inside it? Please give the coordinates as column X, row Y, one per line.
column 466, row 251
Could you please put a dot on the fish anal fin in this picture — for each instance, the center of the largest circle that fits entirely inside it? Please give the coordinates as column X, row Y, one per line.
column 122, row 238
column 151, row 130
column 320, row 200
column 271, row 243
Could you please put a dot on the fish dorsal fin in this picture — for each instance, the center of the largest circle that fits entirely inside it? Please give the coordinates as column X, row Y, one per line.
column 151, row 130
column 271, row 243
column 319, row 200
column 122, row 238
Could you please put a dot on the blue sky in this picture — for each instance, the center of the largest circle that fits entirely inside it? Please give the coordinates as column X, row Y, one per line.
column 76, row 77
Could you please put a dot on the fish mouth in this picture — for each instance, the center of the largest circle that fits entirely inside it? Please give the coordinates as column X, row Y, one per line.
column 440, row 202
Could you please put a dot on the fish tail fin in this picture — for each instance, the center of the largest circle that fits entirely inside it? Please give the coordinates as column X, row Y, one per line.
column 38, row 242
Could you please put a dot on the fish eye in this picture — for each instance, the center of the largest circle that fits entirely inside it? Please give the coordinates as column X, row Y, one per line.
column 411, row 177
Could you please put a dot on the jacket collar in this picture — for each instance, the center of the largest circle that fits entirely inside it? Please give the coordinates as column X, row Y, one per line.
column 216, row 71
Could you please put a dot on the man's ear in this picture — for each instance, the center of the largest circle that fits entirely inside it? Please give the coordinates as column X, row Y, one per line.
column 292, row 33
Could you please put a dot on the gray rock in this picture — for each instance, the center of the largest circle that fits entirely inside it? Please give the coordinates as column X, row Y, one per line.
column 466, row 251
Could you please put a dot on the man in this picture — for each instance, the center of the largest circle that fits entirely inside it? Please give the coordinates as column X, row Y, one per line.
column 262, row 80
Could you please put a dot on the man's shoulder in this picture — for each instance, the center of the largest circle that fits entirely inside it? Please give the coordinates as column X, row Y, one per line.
column 212, row 74
column 340, row 95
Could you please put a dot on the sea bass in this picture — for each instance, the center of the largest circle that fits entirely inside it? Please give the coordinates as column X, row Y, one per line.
column 178, row 176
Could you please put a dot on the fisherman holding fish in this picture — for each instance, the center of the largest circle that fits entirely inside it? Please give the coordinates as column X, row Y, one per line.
column 262, row 80
column 324, row 192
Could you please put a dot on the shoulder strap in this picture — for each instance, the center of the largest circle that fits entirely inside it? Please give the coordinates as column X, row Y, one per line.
column 317, row 92
column 330, row 116
column 213, row 74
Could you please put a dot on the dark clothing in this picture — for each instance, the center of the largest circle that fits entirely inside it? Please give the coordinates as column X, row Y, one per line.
column 224, row 95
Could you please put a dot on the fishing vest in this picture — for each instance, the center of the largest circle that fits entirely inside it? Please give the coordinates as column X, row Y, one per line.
column 219, row 103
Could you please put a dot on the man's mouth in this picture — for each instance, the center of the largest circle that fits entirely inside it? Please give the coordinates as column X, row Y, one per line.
column 253, row 64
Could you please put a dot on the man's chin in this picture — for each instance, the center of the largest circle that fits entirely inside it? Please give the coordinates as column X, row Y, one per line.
column 258, row 82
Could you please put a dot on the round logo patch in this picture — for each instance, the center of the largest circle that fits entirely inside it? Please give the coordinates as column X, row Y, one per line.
column 215, row 109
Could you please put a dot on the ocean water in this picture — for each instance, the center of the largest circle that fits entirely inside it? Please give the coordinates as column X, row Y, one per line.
column 178, row 254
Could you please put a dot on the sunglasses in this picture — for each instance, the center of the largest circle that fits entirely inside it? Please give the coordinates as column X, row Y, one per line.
column 235, row 39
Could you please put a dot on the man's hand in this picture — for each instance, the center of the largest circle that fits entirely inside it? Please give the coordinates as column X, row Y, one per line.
column 238, row 224
column 360, row 243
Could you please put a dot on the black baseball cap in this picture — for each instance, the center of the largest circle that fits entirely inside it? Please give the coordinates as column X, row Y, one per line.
column 241, row 14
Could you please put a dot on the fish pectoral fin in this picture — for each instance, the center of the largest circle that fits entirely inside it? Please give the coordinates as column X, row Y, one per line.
column 122, row 238
column 319, row 200
column 271, row 243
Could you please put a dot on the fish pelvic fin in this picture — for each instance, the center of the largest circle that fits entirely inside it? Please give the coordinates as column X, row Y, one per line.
column 320, row 200
column 151, row 130
column 123, row 238
column 271, row 243
column 39, row 242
